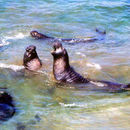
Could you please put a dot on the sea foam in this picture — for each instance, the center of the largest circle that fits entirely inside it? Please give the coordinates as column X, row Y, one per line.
column 13, row 67
column 5, row 39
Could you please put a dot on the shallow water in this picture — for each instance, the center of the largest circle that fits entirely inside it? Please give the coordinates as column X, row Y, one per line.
column 40, row 102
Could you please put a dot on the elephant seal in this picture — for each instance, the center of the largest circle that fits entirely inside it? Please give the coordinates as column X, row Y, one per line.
column 38, row 35
column 31, row 60
column 7, row 108
column 63, row 72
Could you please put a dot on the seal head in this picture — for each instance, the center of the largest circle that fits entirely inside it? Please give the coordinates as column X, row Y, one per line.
column 38, row 35
column 58, row 51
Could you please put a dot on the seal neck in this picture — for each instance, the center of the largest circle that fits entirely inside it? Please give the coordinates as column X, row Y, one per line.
column 60, row 64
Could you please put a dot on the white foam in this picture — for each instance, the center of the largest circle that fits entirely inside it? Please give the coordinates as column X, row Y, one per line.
column 40, row 71
column 18, row 36
column 4, row 42
column 72, row 41
column 79, row 53
column 6, row 38
column 72, row 105
column 108, row 3
column 94, row 65
column 13, row 67
column 98, row 84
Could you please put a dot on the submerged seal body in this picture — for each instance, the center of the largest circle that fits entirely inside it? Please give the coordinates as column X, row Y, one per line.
column 7, row 108
column 31, row 60
column 38, row 35
column 63, row 72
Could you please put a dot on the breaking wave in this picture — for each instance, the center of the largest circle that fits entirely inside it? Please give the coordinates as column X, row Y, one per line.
column 13, row 67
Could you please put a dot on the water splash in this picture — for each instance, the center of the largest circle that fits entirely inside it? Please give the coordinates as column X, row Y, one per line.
column 94, row 65
column 13, row 67
column 5, row 42
column 17, row 36
column 72, row 105
column 79, row 53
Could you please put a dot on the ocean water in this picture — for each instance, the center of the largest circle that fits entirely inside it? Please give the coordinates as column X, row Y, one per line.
column 41, row 103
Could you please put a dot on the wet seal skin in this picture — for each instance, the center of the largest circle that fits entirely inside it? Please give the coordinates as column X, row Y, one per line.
column 38, row 35
column 63, row 72
column 7, row 108
column 31, row 60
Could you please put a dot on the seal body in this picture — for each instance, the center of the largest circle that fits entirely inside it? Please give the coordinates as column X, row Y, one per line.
column 63, row 72
column 31, row 60
column 38, row 35
column 7, row 109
